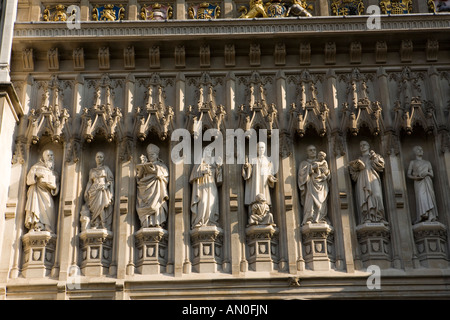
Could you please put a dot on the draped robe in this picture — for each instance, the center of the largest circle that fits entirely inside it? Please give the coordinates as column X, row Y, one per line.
column 40, row 206
column 425, row 197
column 313, row 192
column 152, row 194
column 258, row 178
column 205, row 195
column 99, row 195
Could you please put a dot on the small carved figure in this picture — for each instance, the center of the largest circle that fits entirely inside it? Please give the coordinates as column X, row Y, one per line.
column 43, row 181
column 205, row 178
column 260, row 212
column 152, row 179
column 258, row 176
column 368, row 191
column 99, row 194
column 421, row 172
column 313, row 176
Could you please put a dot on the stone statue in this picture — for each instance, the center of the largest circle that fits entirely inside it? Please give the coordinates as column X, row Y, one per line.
column 258, row 176
column 205, row 178
column 369, row 197
column 152, row 179
column 43, row 181
column 99, row 194
column 260, row 212
column 421, row 172
column 313, row 177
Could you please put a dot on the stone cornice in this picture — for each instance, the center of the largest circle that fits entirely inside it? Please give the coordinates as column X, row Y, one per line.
column 232, row 28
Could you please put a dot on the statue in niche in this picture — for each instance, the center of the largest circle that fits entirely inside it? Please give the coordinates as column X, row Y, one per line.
column 152, row 179
column 259, row 176
column 421, row 172
column 369, row 197
column 260, row 212
column 99, row 195
column 205, row 178
column 43, row 181
column 313, row 177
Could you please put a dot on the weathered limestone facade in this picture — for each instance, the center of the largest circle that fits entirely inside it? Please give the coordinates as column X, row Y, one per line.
column 325, row 80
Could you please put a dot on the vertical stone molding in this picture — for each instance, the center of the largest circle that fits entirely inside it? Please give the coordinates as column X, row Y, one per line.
column 206, row 244
column 318, row 241
column 96, row 251
column 151, row 247
column 431, row 242
column 374, row 242
column 262, row 242
column 39, row 253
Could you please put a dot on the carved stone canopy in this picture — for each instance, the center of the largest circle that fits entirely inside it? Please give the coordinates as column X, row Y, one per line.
column 50, row 119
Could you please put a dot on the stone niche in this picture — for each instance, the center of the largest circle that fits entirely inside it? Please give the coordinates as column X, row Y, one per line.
column 317, row 238
column 152, row 243
column 39, row 246
column 430, row 237
column 96, row 244
column 373, row 237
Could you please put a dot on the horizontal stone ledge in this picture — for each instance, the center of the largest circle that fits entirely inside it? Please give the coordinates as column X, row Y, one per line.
column 231, row 27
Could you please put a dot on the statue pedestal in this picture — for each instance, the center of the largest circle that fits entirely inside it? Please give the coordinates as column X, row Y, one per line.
column 151, row 246
column 207, row 248
column 374, row 242
column 39, row 253
column 318, row 240
column 430, row 238
column 262, row 244
column 96, row 245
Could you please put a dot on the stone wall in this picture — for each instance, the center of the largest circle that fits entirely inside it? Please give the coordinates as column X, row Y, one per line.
column 116, row 87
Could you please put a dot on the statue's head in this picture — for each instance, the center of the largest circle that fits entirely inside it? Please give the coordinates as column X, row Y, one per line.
column 261, row 148
column 321, row 155
column 152, row 152
column 311, row 151
column 48, row 158
column 99, row 158
column 418, row 151
column 260, row 198
column 364, row 146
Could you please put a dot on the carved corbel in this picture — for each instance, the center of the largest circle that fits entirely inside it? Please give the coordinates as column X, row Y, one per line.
column 380, row 52
column 255, row 54
column 406, row 51
column 103, row 58
column 78, row 59
column 355, row 52
column 28, row 59
column 128, row 57
column 330, row 53
column 230, row 60
column 205, row 56
column 305, row 53
column 53, row 59
column 432, row 50
column 280, row 54
column 154, row 57
column 180, row 60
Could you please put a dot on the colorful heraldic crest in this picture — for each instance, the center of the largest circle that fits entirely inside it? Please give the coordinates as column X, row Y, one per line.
column 156, row 11
column 276, row 9
column 396, row 6
column 204, row 11
column 56, row 13
column 347, row 7
column 108, row 12
column 439, row 5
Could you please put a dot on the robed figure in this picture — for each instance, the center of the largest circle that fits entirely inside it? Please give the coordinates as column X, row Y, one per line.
column 43, row 184
column 369, row 197
column 313, row 177
column 260, row 212
column 258, row 176
column 421, row 172
column 152, row 179
column 205, row 178
column 99, row 194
